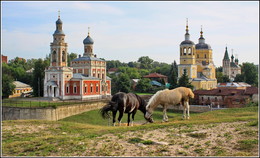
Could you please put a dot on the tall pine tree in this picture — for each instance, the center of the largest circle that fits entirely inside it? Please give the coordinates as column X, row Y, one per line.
column 184, row 81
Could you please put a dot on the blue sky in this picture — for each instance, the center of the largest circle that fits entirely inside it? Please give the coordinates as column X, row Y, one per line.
column 126, row 31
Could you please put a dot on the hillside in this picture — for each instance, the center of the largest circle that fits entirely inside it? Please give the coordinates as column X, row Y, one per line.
column 229, row 132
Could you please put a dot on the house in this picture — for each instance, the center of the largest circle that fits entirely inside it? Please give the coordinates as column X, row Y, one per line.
column 4, row 59
column 157, row 77
column 20, row 88
column 226, row 97
column 112, row 70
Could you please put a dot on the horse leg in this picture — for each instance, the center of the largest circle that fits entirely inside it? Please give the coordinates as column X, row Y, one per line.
column 120, row 117
column 133, row 117
column 184, row 109
column 165, row 117
column 188, row 109
column 114, row 118
column 128, row 119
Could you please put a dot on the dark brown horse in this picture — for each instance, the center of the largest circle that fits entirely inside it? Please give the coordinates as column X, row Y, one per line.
column 124, row 103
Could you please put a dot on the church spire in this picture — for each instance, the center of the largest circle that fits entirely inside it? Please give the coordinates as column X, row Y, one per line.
column 187, row 35
column 226, row 57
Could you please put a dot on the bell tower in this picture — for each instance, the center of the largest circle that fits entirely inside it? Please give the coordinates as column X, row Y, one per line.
column 58, row 46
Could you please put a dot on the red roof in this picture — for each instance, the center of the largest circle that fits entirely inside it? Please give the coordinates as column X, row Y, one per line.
column 113, row 69
column 155, row 75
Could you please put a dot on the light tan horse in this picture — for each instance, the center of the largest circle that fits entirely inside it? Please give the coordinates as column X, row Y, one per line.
column 170, row 97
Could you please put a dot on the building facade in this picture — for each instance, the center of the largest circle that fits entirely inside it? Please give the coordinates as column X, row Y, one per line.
column 197, row 61
column 230, row 68
column 85, row 79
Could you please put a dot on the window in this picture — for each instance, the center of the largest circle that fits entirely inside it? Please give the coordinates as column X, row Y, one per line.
column 85, row 88
column 67, row 88
column 198, row 55
column 202, row 98
column 63, row 56
column 189, row 51
column 205, row 55
column 74, row 88
column 91, row 88
column 54, row 56
column 184, row 51
column 96, row 87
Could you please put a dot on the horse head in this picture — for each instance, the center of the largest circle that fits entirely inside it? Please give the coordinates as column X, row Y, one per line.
column 148, row 114
column 191, row 94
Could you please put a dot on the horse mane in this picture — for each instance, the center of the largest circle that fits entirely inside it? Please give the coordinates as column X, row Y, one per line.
column 153, row 99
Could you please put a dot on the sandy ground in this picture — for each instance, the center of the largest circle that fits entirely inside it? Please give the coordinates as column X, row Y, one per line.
column 220, row 139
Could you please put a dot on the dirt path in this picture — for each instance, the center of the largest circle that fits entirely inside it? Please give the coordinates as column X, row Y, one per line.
column 220, row 139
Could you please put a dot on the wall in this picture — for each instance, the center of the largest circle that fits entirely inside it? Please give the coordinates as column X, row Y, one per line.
column 18, row 113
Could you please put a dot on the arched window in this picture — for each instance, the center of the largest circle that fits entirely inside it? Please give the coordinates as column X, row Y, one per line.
column 189, row 51
column 85, row 88
column 74, row 88
column 96, row 87
column 184, row 51
column 63, row 56
column 91, row 88
column 198, row 56
column 205, row 55
column 54, row 56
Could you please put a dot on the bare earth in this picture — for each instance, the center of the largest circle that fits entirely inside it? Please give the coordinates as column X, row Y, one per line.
column 220, row 139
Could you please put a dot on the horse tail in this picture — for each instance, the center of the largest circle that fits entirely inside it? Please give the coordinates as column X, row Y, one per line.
column 105, row 109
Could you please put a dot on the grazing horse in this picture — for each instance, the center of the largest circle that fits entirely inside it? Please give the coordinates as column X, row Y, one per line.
column 124, row 103
column 170, row 97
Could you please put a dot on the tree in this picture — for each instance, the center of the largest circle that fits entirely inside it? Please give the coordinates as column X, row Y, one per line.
column 145, row 62
column 123, row 83
column 7, row 86
column 38, row 76
column 250, row 73
column 225, row 79
column 70, row 57
column 173, row 77
column 184, row 81
column 143, row 85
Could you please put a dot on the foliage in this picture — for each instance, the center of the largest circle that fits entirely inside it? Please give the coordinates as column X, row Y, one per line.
column 7, row 86
column 143, row 85
column 173, row 77
column 70, row 57
column 38, row 76
column 145, row 62
column 249, row 74
column 184, row 81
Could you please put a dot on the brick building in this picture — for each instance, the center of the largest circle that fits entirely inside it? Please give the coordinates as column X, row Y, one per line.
column 226, row 97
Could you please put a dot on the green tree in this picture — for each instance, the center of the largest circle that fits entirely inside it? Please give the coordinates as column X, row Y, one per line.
column 184, row 81
column 123, row 83
column 250, row 73
column 38, row 76
column 145, row 62
column 143, row 85
column 173, row 77
column 70, row 57
column 225, row 78
column 7, row 85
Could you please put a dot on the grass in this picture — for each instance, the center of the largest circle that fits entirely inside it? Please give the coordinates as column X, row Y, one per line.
column 65, row 137
column 247, row 145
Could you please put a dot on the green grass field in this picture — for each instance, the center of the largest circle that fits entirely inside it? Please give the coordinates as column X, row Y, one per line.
column 65, row 137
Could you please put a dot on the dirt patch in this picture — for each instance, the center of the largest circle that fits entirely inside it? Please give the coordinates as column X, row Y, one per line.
column 220, row 139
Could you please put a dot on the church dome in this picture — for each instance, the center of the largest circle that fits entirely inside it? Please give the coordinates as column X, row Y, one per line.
column 59, row 21
column 187, row 42
column 202, row 44
column 88, row 40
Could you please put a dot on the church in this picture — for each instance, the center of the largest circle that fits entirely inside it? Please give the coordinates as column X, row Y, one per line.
column 230, row 68
column 85, row 79
column 197, row 61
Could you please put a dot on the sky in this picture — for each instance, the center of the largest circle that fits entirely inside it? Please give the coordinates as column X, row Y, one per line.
column 125, row 30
